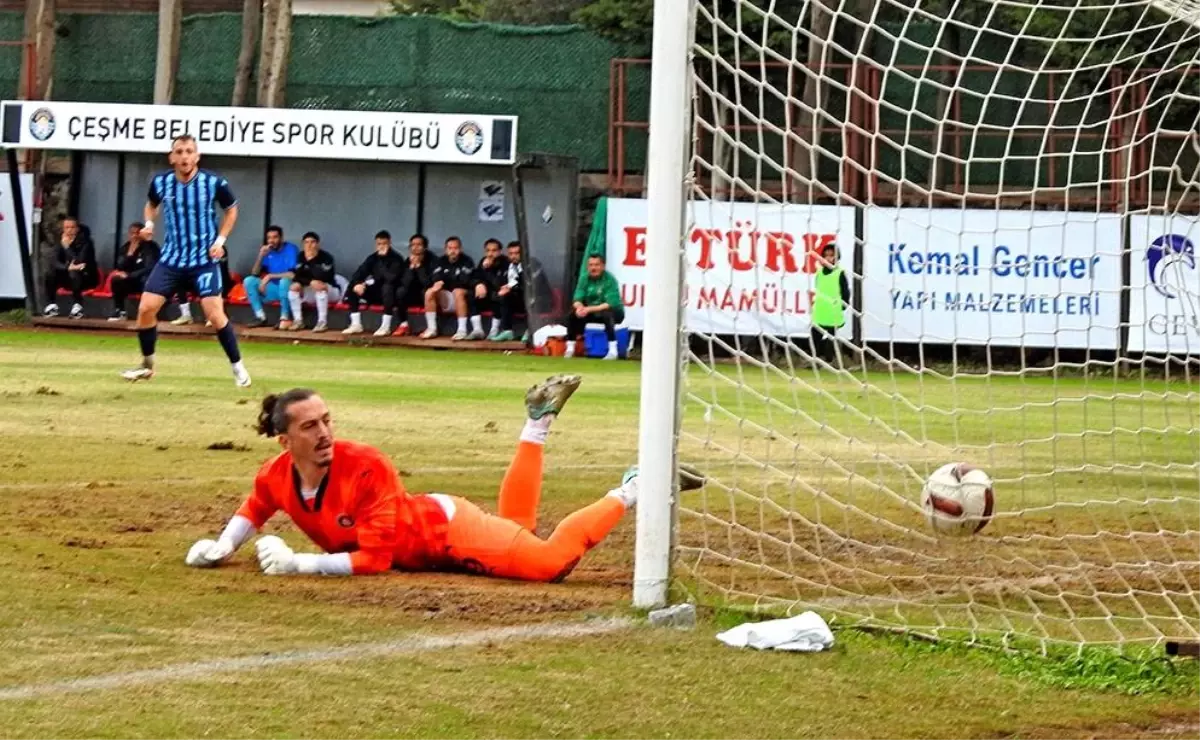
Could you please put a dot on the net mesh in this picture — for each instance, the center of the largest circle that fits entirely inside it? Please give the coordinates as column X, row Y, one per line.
column 1012, row 189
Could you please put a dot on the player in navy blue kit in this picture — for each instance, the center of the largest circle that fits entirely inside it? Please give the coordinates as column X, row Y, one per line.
column 192, row 248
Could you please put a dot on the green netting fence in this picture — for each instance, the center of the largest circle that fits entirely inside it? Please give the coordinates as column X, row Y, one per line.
column 555, row 78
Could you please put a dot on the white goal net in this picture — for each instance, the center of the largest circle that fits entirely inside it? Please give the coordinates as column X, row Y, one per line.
column 1011, row 191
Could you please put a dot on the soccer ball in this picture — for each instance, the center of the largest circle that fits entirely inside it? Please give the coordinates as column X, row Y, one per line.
column 958, row 499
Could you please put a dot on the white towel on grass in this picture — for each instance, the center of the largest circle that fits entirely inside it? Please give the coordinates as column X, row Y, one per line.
column 805, row 633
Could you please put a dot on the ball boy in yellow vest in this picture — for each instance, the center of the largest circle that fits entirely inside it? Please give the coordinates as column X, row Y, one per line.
column 831, row 295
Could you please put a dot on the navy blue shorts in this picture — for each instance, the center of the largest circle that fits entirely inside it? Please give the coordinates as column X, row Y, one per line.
column 166, row 281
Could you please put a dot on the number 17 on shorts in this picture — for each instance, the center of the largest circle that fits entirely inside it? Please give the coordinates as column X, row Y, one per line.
column 166, row 281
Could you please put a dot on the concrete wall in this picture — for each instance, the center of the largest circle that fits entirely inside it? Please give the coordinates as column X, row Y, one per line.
column 346, row 203
column 190, row 7
column 452, row 205
column 340, row 7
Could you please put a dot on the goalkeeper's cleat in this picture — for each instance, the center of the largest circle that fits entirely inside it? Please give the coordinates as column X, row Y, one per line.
column 182, row 320
column 476, row 335
column 690, row 478
column 138, row 373
column 320, row 327
column 628, row 491
column 550, row 396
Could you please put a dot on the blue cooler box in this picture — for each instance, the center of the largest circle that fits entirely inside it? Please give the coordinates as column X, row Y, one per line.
column 595, row 345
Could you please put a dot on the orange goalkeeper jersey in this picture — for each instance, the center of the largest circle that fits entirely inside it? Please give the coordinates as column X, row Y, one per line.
column 361, row 508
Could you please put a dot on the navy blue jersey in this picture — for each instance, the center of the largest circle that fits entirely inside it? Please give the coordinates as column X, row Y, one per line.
column 189, row 215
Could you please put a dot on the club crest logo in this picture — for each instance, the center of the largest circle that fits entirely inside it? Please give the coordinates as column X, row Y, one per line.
column 345, row 520
column 468, row 138
column 1166, row 258
column 41, row 124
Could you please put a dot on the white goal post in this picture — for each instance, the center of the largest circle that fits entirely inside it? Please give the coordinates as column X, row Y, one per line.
column 666, row 154
column 1012, row 192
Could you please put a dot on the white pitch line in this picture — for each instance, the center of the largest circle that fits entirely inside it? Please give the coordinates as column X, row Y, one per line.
column 550, row 468
column 218, row 668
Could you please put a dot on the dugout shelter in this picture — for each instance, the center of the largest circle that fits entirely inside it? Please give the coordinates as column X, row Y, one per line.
column 343, row 174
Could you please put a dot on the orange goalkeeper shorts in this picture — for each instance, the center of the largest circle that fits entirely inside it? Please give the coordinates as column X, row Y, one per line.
column 478, row 542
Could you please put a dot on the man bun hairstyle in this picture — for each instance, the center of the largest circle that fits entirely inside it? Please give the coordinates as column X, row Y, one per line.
column 273, row 417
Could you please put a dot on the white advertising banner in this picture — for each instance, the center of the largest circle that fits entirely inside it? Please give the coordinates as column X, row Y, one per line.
column 262, row 132
column 12, row 278
column 1017, row 278
column 749, row 266
column 1164, row 285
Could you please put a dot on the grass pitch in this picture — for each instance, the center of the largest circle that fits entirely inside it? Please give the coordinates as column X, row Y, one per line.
column 103, row 486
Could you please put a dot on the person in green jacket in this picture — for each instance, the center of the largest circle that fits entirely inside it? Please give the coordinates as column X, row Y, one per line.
column 831, row 295
column 597, row 300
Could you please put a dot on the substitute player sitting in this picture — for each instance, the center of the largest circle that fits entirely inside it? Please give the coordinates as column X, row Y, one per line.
column 191, row 252
column 349, row 500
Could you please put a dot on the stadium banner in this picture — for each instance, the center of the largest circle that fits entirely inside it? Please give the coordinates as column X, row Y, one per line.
column 1006, row 278
column 1164, row 285
column 12, row 276
column 261, row 132
column 749, row 266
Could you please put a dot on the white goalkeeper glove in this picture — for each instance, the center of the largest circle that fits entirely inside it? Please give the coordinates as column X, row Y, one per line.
column 274, row 556
column 209, row 553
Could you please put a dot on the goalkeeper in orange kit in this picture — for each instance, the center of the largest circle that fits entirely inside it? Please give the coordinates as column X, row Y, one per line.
column 348, row 498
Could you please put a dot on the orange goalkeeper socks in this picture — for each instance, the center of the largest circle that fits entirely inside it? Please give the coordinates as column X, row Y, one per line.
column 521, row 489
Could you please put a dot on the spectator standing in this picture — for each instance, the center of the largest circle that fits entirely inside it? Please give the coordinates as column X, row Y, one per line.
column 418, row 276
column 597, row 299
column 831, row 294
column 132, row 262
column 74, row 268
column 271, row 277
column 453, row 272
column 491, row 274
column 376, row 281
column 315, row 276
